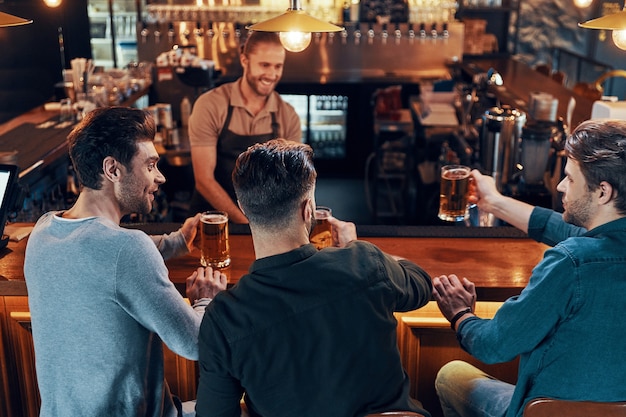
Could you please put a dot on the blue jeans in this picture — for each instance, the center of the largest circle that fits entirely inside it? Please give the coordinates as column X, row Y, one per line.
column 466, row 391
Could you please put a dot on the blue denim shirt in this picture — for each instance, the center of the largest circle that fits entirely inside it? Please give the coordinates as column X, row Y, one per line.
column 567, row 325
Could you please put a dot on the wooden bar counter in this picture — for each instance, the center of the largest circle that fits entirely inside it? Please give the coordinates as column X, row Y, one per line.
column 498, row 260
column 500, row 266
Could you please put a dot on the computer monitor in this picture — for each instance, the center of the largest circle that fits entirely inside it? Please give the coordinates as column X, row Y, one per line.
column 8, row 193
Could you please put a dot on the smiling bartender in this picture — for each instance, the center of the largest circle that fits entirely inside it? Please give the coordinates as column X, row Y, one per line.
column 228, row 119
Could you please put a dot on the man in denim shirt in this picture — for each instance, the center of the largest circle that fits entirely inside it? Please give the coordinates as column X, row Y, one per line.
column 567, row 325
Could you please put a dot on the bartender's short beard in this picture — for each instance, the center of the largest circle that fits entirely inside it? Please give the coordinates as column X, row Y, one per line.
column 254, row 83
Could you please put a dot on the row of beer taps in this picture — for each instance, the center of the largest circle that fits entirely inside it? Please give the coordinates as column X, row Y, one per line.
column 357, row 31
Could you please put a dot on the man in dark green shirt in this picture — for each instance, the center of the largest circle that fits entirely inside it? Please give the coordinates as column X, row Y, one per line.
column 306, row 332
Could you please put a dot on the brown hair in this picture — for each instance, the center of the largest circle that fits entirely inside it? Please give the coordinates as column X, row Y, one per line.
column 600, row 149
column 272, row 179
column 255, row 38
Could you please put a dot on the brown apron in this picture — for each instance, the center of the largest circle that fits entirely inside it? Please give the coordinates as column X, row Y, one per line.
column 229, row 147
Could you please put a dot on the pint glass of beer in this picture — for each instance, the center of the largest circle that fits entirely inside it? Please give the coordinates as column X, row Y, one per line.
column 454, row 192
column 322, row 233
column 214, row 249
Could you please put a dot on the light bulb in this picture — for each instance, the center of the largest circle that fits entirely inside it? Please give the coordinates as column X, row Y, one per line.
column 619, row 39
column 53, row 3
column 295, row 41
column 581, row 4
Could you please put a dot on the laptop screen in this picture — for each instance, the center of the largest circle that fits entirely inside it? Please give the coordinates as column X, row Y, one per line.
column 8, row 182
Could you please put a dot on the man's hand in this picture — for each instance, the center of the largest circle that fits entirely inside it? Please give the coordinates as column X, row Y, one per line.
column 452, row 295
column 190, row 230
column 205, row 283
column 343, row 232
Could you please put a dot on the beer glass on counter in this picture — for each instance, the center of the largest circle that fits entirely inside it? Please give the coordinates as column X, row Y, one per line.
column 454, row 193
column 214, row 249
column 322, row 233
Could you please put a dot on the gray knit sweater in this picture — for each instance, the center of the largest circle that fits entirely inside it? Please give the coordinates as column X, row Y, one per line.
column 101, row 303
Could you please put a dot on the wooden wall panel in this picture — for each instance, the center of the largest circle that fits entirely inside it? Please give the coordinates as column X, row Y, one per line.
column 426, row 343
column 20, row 387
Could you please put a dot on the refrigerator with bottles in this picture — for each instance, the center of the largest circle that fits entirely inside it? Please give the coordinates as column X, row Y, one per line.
column 324, row 120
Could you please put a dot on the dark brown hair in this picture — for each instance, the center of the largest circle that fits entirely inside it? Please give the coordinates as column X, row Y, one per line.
column 272, row 179
column 600, row 149
column 107, row 131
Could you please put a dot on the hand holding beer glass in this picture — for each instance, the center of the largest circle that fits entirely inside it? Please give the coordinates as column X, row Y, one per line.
column 214, row 248
column 322, row 233
column 454, row 193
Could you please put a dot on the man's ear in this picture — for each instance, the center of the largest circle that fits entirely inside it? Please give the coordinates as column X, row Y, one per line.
column 111, row 169
column 606, row 192
column 307, row 209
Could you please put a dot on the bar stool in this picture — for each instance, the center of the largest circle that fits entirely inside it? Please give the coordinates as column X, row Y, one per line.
column 549, row 407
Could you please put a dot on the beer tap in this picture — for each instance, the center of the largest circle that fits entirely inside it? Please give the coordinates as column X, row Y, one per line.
column 170, row 32
column 198, row 31
column 433, row 31
column 331, row 37
column 344, row 36
column 157, row 34
column 144, row 31
column 411, row 33
column 446, row 34
column 210, row 33
column 318, row 38
column 237, row 30
column 370, row 33
column 357, row 34
column 384, row 34
column 422, row 31
column 398, row 33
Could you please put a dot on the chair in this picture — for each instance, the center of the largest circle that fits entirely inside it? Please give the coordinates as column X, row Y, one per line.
column 587, row 90
column 396, row 414
column 595, row 90
column 549, row 407
column 559, row 77
column 543, row 69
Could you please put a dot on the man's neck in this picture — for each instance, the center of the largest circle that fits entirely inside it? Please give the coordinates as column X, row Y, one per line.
column 91, row 203
column 270, row 243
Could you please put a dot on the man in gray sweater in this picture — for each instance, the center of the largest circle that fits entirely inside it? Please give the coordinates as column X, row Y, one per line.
column 100, row 297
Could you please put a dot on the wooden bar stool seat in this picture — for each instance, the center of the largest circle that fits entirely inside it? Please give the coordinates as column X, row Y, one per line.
column 550, row 407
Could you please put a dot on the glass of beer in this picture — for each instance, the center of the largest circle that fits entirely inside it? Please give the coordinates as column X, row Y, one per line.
column 322, row 233
column 454, row 192
column 214, row 249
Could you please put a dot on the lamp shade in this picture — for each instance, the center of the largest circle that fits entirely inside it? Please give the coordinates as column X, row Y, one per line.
column 294, row 21
column 10, row 20
column 614, row 21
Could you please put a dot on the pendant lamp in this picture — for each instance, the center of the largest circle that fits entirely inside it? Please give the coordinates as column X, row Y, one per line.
column 295, row 27
column 615, row 22
column 10, row 20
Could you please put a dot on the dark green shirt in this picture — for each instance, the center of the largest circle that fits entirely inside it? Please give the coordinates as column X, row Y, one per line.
column 310, row 333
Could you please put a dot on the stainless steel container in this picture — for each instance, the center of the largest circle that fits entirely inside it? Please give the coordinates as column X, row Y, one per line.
column 536, row 144
column 500, row 142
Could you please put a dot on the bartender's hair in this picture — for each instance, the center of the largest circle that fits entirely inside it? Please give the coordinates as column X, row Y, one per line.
column 600, row 149
column 272, row 179
column 107, row 131
column 255, row 38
